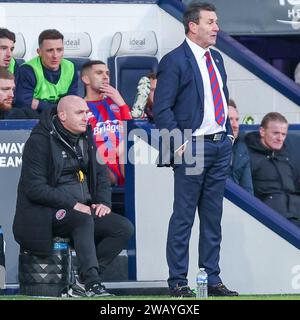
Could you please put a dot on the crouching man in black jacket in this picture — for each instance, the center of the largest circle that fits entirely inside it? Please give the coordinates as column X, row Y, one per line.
column 64, row 192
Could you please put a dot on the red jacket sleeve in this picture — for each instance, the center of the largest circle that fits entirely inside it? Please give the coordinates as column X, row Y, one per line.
column 125, row 112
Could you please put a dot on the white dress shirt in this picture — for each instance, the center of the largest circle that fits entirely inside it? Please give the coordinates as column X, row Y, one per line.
column 209, row 124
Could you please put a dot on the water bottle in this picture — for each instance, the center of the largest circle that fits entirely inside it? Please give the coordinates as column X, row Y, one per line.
column 2, row 263
column 201, row 281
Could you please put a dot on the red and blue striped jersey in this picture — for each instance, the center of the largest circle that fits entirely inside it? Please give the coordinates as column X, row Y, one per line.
column 105, row 119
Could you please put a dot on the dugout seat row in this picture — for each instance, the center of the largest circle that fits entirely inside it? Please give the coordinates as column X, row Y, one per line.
column 132, row 56
column 78, row 48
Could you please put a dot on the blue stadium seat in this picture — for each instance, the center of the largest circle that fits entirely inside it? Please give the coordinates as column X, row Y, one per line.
column 132, row 57
column 78, row 48
column 79, row 62
column 118, row 200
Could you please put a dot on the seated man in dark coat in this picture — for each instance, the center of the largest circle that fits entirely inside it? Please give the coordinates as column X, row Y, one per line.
column 274, row 174
column 240, row 171
column 63, row 192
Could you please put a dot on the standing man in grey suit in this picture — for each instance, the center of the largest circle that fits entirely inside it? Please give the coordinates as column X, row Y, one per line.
column 191, row 96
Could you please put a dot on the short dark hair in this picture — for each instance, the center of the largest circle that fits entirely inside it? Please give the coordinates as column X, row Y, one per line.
column 88, row 65
column 192, row 13
column 272, row 116
column 152, row 75
column 50, row 34
column 5, row 74
column 232, row 103
column 7, row 34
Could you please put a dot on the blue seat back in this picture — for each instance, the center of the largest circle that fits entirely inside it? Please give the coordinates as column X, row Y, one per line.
column 78, row 48
column 79, row 62
column 132, row 56
column 126, row 72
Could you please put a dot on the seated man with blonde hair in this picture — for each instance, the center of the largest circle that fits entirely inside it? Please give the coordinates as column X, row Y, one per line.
column 275, row 175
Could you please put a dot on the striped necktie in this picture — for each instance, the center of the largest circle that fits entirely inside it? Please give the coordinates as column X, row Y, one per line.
column 215, row 88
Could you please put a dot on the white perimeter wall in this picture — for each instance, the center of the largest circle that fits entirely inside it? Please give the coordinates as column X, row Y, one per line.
column 254, row 260
column 101, row 21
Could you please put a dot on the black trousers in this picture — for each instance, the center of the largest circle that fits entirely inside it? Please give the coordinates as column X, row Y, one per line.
column 97, row 241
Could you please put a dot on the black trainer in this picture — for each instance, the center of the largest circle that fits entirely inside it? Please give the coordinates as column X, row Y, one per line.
column 98, row 290
column 183, row 291
column 77, row 289
column 219, row 290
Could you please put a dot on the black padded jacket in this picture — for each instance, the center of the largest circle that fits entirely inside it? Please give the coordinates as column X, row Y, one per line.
column 275, row 178
column 38, row 190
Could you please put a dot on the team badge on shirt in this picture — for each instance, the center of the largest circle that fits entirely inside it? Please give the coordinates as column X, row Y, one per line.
column 60, row 214
column 64, row 154
column 114, row 108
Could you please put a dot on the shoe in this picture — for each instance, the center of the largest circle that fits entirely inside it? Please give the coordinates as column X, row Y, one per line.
column 220, row 290
column 98, row 290
column 77, row 289
column 184, row 292
column 141, row 98
column 76, row 292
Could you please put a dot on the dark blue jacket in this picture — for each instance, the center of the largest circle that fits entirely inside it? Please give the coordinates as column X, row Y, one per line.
column 179, row 95
column 240, row 166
